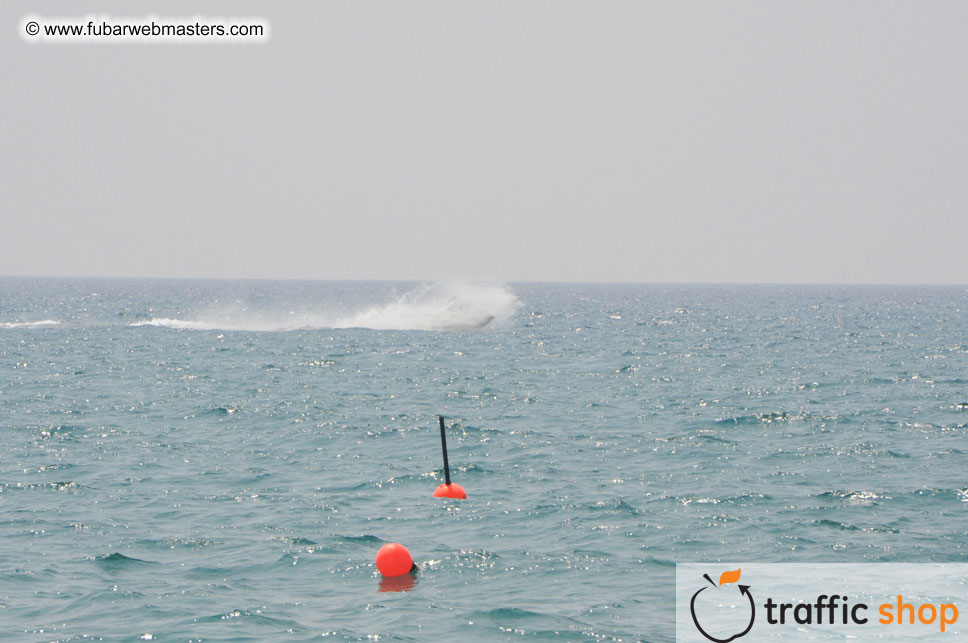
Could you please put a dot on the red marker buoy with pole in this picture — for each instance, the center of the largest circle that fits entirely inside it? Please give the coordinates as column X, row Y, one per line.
column 448, row 489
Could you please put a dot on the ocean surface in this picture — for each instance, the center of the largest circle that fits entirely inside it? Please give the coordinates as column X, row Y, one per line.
column 221, row 460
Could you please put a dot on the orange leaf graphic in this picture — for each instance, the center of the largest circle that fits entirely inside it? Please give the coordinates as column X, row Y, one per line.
column 729, row 577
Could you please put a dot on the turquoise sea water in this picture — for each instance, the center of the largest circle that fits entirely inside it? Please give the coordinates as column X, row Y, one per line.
column 222, row 460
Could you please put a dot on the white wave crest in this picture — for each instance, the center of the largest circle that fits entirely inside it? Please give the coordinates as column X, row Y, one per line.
column 438, row 307
column 167, row 322
column 33, row 324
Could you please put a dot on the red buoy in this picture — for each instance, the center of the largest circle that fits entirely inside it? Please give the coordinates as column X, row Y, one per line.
column 452, row 490
column 393, row 559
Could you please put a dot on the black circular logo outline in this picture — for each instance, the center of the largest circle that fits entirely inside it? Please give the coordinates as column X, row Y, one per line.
column 745, row 589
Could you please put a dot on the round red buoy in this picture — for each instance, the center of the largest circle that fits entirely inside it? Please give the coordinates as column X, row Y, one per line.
column 452, row 490
column 393, row 559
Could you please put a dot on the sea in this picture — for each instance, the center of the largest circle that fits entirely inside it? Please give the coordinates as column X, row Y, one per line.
column 192, row 460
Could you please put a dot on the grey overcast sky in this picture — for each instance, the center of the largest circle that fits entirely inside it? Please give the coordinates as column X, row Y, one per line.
column 495, row 140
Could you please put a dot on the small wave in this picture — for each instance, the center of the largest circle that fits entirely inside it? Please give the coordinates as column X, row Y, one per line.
column 757, row 418
column 367, row 539
column 536, row 625
column 393, row 480
column 700, row 501
column 33, row 324
column 223, row 410
column 836, row 525
column 117, row 560
column 854, row 497
column 255, row 615
column 741, row 500
column 844, row 526
column 511, row 614
column 706, row 437
column 63, row 431
column 477, row 558
column 180, row 324
column 615, row 505
column 68, row 486
column 189, row 542
column 652, row 560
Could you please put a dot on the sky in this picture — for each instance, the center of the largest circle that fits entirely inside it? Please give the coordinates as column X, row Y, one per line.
column 499, row 140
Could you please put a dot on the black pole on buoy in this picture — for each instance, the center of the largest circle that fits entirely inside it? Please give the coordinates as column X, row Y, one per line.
column 443, row 445
column 448, row 489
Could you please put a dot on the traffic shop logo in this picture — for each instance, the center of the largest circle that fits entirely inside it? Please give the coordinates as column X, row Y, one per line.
column 711, row 598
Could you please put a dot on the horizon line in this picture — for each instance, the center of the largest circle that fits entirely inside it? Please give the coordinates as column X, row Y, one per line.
column 497, row 281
